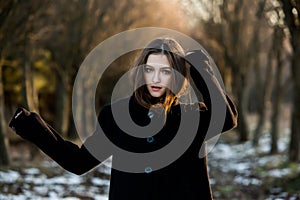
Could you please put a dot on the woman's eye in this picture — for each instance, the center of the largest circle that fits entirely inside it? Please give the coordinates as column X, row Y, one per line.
column 166, row 72
column 148, row 69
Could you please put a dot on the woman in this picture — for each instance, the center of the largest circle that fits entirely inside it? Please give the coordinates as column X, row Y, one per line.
column 161, row 76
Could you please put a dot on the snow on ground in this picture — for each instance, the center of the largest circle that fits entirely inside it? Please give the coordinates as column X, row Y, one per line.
column 34, row 183
column 229, row 164
column 245, row 166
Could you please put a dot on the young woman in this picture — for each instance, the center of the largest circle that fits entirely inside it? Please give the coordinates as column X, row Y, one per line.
column 161, row 80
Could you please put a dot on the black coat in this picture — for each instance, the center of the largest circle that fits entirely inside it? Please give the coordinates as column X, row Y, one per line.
column 185, row 178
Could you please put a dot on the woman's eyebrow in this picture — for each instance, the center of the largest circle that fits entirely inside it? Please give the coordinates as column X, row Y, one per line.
column 166, row 68
column 157, row 64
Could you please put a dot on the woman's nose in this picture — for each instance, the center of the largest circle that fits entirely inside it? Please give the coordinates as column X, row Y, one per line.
column 156, row 77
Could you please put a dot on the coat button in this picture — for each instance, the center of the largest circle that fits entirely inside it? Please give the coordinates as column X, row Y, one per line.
column 150, row 139
column 150, row 114
column 148, row 170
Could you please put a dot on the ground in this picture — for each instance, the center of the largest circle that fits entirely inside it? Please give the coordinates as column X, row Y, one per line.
column 237, row 171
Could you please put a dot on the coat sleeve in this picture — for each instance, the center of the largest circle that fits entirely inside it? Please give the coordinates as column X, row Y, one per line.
column 71, row 157
column 207, row 84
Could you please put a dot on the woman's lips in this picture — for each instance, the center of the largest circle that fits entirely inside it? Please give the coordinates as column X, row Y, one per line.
column 156, row 88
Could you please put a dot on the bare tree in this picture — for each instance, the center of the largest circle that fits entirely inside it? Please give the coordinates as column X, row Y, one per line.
column 277, row 43
column 291, row 10
column 4, row 159
column 263, row 87
column 232, row 34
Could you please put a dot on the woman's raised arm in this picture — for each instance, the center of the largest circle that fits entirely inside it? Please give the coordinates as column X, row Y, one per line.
column 71, row 157
column 203, row 76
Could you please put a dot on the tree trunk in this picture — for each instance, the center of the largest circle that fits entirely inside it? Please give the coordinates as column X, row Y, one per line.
column 266, row 93
column 233, row 13
column 265, row 97
column 30, row 96
column 295, row 127
column 277, row 90
column 241, row 94
column 63, row 106
column 4, row 160
column 291, row 11
column 260, row 88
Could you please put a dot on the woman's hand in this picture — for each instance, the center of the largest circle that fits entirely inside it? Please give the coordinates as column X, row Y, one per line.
column 200, row 61
column 30, row 125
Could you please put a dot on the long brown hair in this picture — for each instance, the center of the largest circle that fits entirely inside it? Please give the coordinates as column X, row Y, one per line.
column 175, row 54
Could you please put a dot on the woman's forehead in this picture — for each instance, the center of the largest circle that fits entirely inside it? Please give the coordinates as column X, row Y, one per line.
column 158, row 60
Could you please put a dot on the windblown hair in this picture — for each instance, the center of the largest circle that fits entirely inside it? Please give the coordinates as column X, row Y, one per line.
column 175, row 55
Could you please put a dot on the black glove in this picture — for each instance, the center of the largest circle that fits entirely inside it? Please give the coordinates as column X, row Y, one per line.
column 199, row 61
column 31, row 126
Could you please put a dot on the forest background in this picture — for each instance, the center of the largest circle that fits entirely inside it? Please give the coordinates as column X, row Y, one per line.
column 255, row 44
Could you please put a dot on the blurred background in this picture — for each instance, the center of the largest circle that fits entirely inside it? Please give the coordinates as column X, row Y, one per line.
column 255, row 44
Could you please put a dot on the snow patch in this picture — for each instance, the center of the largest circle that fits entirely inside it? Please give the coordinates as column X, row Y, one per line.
column 9, row 176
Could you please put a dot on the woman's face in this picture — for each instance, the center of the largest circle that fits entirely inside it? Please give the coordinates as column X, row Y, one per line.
column 157, row 74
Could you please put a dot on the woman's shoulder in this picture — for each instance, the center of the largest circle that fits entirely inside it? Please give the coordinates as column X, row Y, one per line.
column 117, row 104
